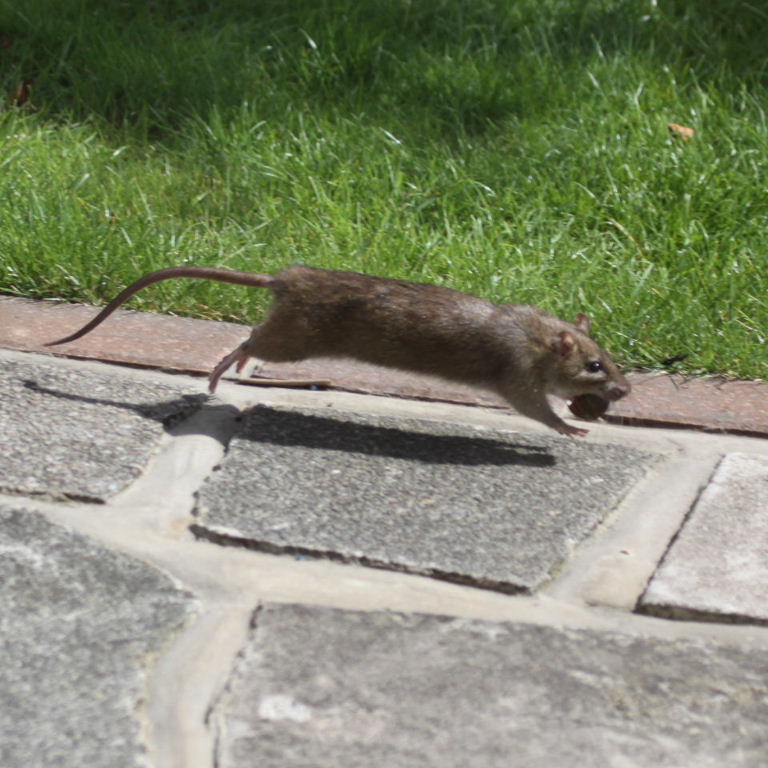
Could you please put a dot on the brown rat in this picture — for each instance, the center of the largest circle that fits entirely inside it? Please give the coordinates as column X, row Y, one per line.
column 516, row 350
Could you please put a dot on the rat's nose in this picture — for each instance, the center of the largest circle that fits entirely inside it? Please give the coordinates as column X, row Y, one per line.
column 618, row 389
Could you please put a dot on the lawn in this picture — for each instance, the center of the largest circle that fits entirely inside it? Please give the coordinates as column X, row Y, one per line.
column 516, row 150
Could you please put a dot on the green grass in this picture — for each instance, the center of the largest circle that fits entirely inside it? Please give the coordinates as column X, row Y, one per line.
column 516, row 150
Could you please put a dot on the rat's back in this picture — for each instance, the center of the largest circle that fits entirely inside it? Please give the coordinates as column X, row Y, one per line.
column 395, row 323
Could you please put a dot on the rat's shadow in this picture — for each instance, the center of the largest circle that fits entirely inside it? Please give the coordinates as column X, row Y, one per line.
column 290, row 428
column 173, row 414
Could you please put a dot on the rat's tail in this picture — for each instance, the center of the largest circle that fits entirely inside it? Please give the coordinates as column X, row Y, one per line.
column 202, row 273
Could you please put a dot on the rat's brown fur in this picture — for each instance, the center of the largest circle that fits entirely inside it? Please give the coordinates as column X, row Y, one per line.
column 516, row 350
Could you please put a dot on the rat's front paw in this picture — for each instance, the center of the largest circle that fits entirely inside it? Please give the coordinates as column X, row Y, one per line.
column 570, row 430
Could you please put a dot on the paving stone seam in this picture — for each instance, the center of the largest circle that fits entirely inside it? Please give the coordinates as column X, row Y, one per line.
column 222, row 538
column 613, row 567
column 714, row 570
column 159, row 502
column 235, row 595
column 245, row 577
column 678, row 613
column 183, row 682
column 179, row 689
column 187, row 681
column 214, row 721
column 166, row 489
column 568, row 580
column 670, row 614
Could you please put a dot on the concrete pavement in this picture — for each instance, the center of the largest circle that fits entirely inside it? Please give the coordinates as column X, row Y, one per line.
column 281, row 577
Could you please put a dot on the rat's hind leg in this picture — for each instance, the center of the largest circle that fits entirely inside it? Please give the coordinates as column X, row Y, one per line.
column 244, row 359
column 250, row 348
column 239, row 355
column 277, row 339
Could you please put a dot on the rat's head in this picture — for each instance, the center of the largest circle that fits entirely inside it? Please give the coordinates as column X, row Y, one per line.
column 582, row 367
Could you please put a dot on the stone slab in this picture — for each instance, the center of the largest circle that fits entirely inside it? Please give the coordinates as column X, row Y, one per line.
column 492, row 508
column 327, row 688
column 716, row 568
column 79, row 625
column 77, row 433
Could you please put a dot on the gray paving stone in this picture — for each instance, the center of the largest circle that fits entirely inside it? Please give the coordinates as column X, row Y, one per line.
column 79, row 433
column 716, row 568
column 78, row 624
column 327, row 688
column 497, row 509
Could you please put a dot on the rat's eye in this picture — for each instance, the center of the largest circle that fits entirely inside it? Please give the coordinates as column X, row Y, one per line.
column 594, row 366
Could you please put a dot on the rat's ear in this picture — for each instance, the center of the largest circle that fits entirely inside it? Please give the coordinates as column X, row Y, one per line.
column 583, row 323
column 565, row 343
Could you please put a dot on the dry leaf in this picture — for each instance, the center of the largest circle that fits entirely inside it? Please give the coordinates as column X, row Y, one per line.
column 21, row 95
column 681, row 131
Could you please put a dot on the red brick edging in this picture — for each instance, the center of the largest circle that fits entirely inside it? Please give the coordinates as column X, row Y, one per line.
column 195, row 346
